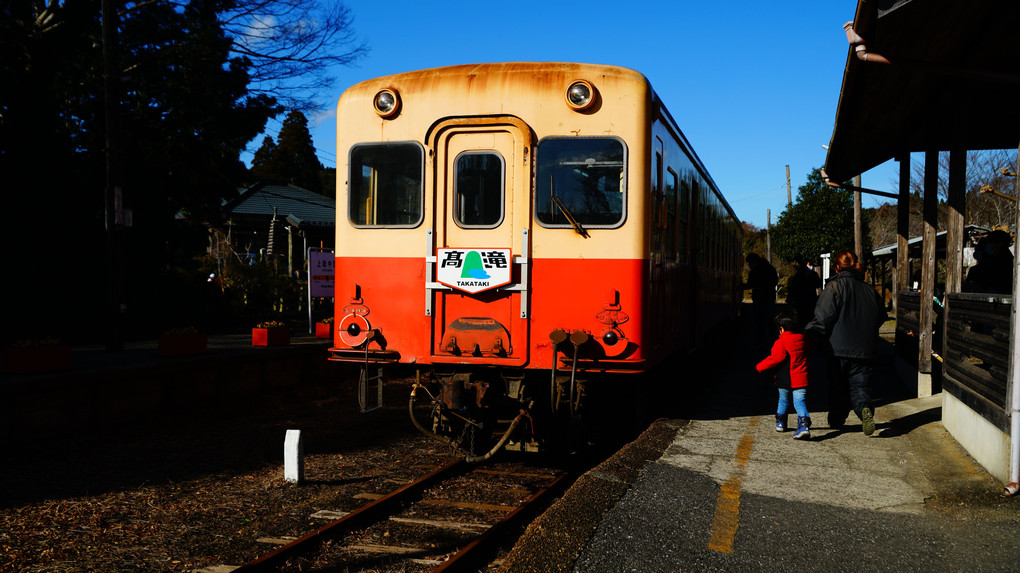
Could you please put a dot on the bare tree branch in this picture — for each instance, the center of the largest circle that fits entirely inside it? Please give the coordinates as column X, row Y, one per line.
column 292, row 45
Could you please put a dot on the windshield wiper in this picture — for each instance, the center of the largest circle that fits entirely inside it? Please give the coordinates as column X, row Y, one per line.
column 570, row 217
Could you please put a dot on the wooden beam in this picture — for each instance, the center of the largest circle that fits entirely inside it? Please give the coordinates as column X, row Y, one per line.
column 901, row 272
column 956, row 203
column 957, row 207
column 930, row 225
column 858, row 238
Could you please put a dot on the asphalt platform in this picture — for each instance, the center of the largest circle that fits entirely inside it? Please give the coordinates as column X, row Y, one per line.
column 714, row 487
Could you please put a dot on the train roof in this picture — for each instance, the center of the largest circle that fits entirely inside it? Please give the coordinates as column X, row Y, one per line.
column 507, row 68
column 572, row 69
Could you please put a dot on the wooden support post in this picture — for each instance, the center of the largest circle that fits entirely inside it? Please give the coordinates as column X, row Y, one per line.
column 293, row 457
column 957, row 204
column 901, row 275
column 858, row 235
column 957, row 212
column 930, row 225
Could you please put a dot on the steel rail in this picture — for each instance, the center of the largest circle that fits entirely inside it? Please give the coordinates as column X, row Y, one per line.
column 467, row 559
column 360, row 518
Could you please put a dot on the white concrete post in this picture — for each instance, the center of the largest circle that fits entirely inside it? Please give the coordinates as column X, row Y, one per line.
column 293, row 457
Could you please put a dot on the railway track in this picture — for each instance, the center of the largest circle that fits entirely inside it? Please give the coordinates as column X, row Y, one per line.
column 451, row 519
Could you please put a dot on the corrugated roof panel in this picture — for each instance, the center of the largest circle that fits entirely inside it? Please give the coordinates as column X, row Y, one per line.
column 261, row 198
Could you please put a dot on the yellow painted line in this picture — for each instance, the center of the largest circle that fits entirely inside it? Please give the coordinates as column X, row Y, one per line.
column 727, row 505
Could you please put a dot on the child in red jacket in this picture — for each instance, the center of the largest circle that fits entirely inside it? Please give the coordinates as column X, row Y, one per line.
column 789, row 360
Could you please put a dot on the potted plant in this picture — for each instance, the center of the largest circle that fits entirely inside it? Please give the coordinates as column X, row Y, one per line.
column 324, row 328
column 182, row 342
column 270, row 333
column 32, row 356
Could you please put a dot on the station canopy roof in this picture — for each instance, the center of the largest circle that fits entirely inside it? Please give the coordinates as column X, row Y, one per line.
column 952, row 82
column 301, row 207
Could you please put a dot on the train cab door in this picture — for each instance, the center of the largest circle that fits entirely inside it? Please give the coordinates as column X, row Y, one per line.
column 480, row 246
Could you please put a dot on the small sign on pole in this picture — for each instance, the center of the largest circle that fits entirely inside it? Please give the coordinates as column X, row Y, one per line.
column 320, row 278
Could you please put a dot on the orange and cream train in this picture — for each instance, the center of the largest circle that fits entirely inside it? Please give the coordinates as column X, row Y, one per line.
column 525, row 236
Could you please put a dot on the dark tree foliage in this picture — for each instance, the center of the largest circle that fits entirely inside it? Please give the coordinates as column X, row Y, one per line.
column 293, row 157
column 185, row 114
column 263, row 162
column 328, row 178
column 755, row 239
column 821, row 220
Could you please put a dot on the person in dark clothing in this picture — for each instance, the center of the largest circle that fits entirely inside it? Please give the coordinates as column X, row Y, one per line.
column 788, row 360
column 994, row 269
column 802, row 291
column 761, row 280
column 848, row 315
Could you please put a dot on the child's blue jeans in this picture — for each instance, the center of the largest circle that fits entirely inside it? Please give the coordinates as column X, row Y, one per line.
column 799, row 401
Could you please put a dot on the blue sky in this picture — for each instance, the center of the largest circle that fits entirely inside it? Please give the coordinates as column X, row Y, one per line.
column 753, row 85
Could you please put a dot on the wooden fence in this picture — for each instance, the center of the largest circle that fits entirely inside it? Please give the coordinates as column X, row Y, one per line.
column 908, row 316
column 977, row 349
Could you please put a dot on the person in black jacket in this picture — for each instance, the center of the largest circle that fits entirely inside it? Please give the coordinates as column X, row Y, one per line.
column 761, row 280
column 848, row 314
column 994, row 270
column 802, row 290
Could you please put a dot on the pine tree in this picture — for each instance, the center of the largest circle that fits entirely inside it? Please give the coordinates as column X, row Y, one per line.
column 264, row 163
column 295, row 154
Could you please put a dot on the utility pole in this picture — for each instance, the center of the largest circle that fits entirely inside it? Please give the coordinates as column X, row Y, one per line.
column 858, row 241
column 768, row 235
column 113, row 195
column 789, row 196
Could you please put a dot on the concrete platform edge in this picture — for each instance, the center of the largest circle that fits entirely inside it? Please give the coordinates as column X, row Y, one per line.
column 555, row 540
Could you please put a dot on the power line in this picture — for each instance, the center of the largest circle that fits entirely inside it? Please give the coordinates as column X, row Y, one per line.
column 767, row 191
column 322, row 154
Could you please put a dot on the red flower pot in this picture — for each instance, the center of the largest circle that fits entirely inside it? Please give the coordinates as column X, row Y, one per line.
column 276, row 336
column 323, row 330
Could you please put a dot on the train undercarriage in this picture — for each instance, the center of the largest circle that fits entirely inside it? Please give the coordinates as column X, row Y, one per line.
column 485, row 411
column 481, row 410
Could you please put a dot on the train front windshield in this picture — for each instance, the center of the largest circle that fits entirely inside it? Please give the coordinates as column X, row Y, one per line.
column 583, row 178
column 386, row 184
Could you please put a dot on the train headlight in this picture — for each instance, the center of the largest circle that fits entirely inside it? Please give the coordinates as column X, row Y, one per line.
column 610, row 338
column 354, row 330
column 580, row 95
column 386, row 103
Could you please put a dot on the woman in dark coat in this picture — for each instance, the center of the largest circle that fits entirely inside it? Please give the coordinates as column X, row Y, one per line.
column 848, row 314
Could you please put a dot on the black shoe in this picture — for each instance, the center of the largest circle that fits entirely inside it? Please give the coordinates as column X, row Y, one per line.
column 868, row 420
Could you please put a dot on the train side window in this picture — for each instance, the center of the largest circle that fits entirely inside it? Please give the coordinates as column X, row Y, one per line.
column 583, row 178
column 701, row 229
column 670, row 189
column 385, row 185
column 478, row 189
column 683, row 214
column 658, row 213
column 717, row 232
